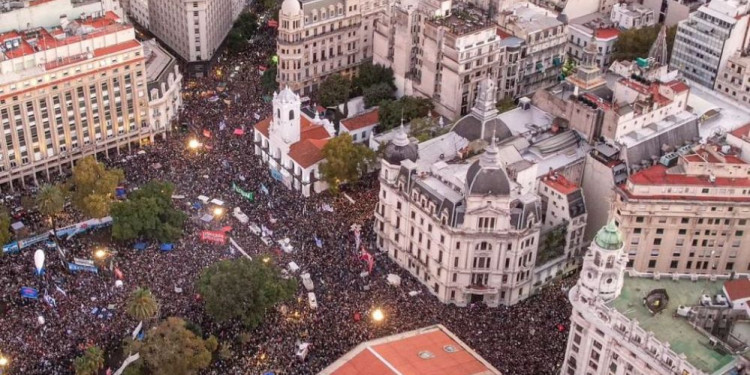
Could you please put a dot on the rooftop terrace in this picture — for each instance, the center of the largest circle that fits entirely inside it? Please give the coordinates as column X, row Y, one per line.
column 680, row 335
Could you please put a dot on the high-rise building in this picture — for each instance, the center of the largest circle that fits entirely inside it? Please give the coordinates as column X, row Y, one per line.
column 318, row 38
column 69, row 91
column 646, row 326
column 688, row 214
column 193, row 29
column 708, row 38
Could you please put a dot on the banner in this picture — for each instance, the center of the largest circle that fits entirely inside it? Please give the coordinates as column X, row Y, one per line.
column 318, row 241
column 77, row 267
column 30, row 293
column 214, row 236
column 263, row 189
column 245, row 194
column 364, row 255
column 277, row 175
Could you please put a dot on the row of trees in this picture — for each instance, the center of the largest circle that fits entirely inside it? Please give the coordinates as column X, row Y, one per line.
column 148, row 213
column 635, row 43
column 374, row 82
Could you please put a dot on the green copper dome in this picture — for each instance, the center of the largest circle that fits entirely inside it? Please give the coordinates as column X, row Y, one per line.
column 609, row 237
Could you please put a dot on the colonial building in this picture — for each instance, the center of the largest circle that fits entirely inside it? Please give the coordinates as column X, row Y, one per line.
column 318, row 38
column 164, row 85
column 290, row 142
column 688, row 214
column 361, row 127
column 627, row 325
column 54, row 110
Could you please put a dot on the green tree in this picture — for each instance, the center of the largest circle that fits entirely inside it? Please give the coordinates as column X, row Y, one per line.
column 376, row 93
column 635, row 43
column 334, row 91
column 50, row 201
column 243, row 290
column 142, row 305
column 93, row 185
column 90, row 362
column 236, row 42
column 149, row 213
column 246, row 25
column 390, row 111
column 506, row 104
column 422, row 128
column 345, row 161
column 370, row 74
column 268, row 81
column 170, row 348
column 5, row 233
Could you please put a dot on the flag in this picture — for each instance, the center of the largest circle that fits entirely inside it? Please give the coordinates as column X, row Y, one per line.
column 118, row 274
column 50, row 301
column 206, row 133
column 61, row 291
column 326, row 207
column 367, row 257
column 264, row 189
column 257, row 116
column 222, row 125
column 318, row 241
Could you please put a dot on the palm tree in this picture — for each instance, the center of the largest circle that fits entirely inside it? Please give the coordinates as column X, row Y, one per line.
column 142, row 305
column 90, row 362
column 50, row 202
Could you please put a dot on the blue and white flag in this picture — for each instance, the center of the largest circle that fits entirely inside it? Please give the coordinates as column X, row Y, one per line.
column 264, row 189
column 222, row 125
column 318, row 241
column 50, row 301
column 61, row 291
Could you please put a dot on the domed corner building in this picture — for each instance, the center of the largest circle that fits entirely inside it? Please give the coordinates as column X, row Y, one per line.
column 464, row 228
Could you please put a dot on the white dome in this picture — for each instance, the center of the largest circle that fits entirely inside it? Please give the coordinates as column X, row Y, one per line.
column 287, row 96
column 291, row 7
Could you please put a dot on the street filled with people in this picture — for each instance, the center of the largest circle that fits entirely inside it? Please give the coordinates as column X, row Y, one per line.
column 42, row 336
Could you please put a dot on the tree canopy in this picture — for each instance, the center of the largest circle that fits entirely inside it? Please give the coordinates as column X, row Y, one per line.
column 148, row 213
column 345, row 161
column 505, row 104
column 50, row 201
column 142, row 305
column 243, row 29
column 370, row 74
column 334, row 91
column 268, row 80
column 378, row 92
column 242, row 289
column 90, row 362
column 93, row 185
column 171, row 348
column 5, row 234
column 635, row 43
column 390, row 111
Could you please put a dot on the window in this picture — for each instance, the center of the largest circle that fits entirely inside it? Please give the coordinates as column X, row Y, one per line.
column 674, row 264
column 657, row 241
column 486, row 223
column 730, row 266
column 639, row 219
column 652, row 263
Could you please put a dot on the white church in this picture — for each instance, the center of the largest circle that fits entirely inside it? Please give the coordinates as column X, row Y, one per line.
column 291, row 143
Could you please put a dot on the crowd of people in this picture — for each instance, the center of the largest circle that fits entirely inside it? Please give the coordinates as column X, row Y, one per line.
column 88, row 309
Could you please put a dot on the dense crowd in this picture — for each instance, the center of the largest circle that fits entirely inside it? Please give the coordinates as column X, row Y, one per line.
column 88, row 308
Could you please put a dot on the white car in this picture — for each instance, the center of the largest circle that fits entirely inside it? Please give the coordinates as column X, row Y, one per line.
column 312, row 301
column 239, row 215
column 307, row 281
column 267, row 240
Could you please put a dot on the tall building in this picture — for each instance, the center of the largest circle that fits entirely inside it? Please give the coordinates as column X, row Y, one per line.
column 441, row 51
column 193, row 29
column 708, row 38
column 138, row 12
column 688, row 214
column 647, row 326
column 318, row 38
column 546, row 37
column 54, row 110
column 671, row 12
column 164, row 85
column 734, row 78
column 20, row 15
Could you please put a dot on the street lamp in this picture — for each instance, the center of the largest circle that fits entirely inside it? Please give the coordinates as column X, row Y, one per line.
column 100, row 254
column 218, row 211
column 377, row 315
column 266, row 259
column 193, row 144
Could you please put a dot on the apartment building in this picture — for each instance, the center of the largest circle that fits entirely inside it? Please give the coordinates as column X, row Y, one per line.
column 734, row 78
column 687, row 214
column 19, row 15
column 545, row 35
column 138, row 12
column 708, row 38
column 671, row 12
column 632, row 16
column 70, row 91
column 593, row 29
column 318, row 38
column 193, row 29
column 649, row 326
column 164, row 83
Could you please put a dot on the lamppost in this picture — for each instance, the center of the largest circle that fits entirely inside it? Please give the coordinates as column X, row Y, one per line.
column 3, row 363
column 378, row 315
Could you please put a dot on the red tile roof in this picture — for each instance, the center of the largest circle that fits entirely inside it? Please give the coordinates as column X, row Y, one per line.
column 307, row 151
column 737, row 289
column 263, row 126
column 742, row 131
column 362, row 121
column 502, row 33
column 657, row 175
column 607, row 33
column 678, row 86
column 404, row 355
column 560, row 184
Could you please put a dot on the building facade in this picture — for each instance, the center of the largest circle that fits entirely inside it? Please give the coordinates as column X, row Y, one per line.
column 734, row 78
column 54, row 110
column 671, row 12
column 708, row 38
column 19, row 15
column 193, row 29
column 632, row 16
column 592, row 29
column 138, row 12
column 318, row 38
column 164, row 85
column 687, row 215
column 290, row 142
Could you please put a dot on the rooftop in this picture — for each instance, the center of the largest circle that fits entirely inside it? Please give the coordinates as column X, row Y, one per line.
column 531, row 18
column 429, row 350
column 363, row 120
column 559, row 183
column 464, row 19
column 737, row 289
column 681, row 336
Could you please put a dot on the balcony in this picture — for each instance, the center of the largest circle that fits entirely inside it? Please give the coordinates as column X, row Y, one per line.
column 479, row 289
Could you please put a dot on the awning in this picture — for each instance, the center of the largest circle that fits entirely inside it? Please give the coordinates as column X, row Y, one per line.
column 166, row 247
column 140, row 246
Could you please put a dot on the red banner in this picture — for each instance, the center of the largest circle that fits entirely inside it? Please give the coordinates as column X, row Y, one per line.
column 214, row 236
column 206, row 133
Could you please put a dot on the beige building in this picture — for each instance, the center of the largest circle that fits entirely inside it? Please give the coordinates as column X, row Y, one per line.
column 18, row 15
column 193, row 29
column 70, row 91
column 164, row 85
column 734, row 78
column 318, row 38
column 688, row 214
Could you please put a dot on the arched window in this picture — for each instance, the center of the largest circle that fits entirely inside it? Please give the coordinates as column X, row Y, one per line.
column 484, row 245
column 291, row 114
column 610, row 262
column 597, row 259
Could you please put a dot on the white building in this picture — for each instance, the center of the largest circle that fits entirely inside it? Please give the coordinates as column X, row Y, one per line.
column 626, row 325
column 632, row 16
column 193, row 29
column 139, row 13
column 592, row 29
column 361, row 127
column 20, row 15
column 54, row 110
column 708, row 38
column 291, row 143
column 164, row 85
